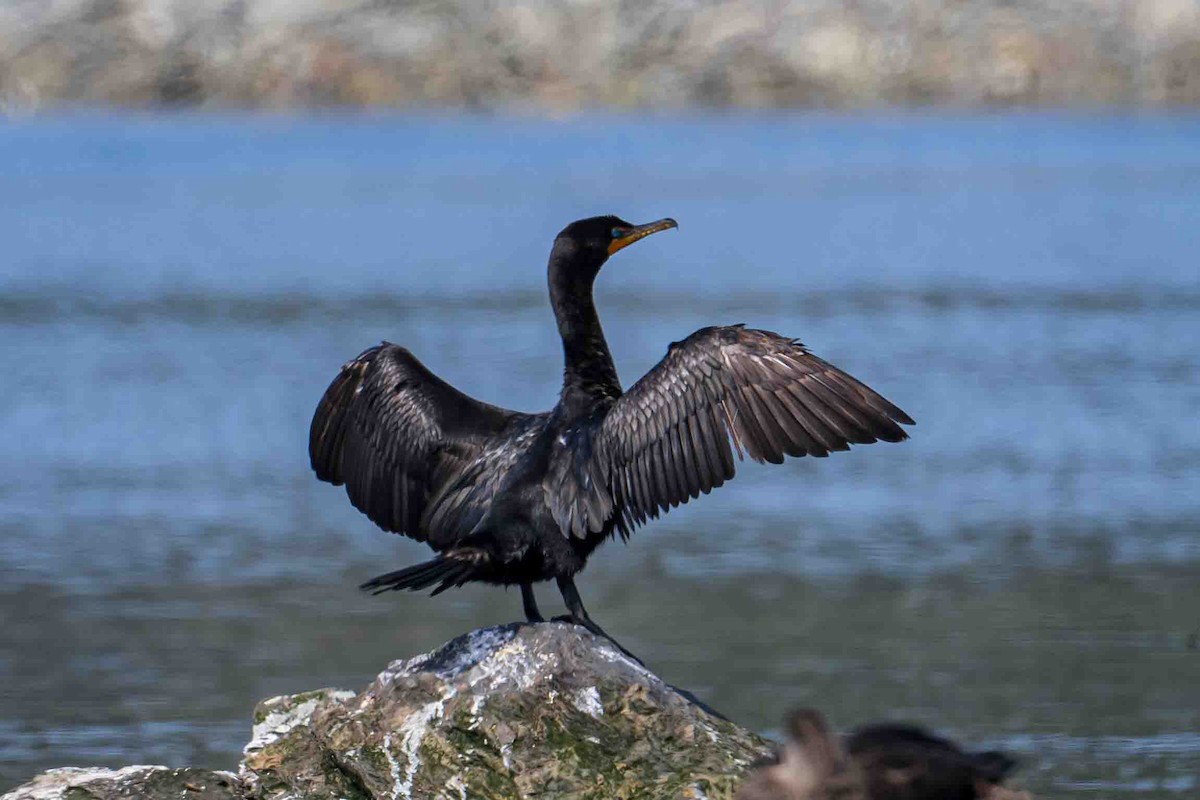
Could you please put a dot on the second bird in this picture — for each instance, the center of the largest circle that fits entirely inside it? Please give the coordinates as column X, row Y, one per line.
column 508, row 498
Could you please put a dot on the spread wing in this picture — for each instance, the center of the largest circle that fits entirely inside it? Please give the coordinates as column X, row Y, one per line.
column 667, row 439
column 412, row 451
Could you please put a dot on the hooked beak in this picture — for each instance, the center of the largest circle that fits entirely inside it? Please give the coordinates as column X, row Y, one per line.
column 640, row 232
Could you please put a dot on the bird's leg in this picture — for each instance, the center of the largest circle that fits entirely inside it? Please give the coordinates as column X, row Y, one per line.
column 579, row 614
column 530, row 602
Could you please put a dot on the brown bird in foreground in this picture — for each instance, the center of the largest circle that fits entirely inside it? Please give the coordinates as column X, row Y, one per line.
column 507, row 498
column 877, row 762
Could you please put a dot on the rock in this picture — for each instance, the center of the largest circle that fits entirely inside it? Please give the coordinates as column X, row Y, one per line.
column 546, row 710
column 516, row 711
column 155, row 783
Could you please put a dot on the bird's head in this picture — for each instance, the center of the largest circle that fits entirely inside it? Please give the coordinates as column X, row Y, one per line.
column 583, row 246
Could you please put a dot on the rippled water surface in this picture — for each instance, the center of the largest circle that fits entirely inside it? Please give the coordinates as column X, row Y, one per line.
column 176, row 293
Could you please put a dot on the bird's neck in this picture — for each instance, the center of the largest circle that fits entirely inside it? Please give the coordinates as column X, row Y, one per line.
column 589, row 375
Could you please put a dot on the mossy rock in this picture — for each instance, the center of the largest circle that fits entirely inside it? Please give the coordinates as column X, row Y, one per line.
column 545, row 710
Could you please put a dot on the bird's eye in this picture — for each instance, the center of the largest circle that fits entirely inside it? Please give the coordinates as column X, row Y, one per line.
column 617, row 233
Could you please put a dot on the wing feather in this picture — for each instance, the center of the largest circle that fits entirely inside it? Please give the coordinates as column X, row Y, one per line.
column 668, row 439
column 408, row 446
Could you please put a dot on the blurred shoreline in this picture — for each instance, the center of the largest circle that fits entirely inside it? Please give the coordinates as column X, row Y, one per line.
column 540, row 56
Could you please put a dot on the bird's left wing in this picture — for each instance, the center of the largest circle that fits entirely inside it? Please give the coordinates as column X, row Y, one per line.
column 667, row 439
column 404, row 442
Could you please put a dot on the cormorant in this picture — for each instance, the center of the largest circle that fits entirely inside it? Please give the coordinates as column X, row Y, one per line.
column 512, row 498
column 877, row 762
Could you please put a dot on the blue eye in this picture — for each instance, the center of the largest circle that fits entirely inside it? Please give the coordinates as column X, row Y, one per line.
column 617, row 233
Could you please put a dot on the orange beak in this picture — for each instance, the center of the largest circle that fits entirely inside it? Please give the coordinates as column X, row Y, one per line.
column 640, row 232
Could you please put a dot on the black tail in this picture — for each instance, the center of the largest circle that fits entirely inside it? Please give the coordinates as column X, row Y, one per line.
column 445, row 572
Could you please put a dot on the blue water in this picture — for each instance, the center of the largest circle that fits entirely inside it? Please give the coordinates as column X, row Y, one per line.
column 176, row 293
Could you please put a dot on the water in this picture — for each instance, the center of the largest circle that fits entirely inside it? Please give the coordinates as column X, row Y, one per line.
column 176, row 293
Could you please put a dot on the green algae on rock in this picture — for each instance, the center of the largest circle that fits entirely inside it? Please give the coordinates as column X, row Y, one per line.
column 516, row 711
column 547, row 710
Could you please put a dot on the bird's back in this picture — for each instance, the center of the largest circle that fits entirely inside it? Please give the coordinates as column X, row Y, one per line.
column 905, row 762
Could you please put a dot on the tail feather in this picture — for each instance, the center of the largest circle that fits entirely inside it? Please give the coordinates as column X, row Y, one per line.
column 414, row 578
column 445, row 572
column 454, row 579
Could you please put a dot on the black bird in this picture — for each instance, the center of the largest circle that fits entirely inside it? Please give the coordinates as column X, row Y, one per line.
column 512, row 498
column 885, row 761
column 905, row 762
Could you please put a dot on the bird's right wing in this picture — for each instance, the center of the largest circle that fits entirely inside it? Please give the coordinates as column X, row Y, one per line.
column 401, row 440
column 668, row 438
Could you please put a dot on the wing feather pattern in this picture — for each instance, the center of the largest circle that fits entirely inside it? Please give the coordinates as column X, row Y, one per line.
column 668, row 439
column 408, row 446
